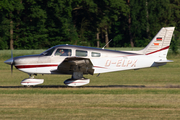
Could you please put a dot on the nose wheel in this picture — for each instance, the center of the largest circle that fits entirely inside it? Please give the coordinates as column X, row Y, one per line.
column 31, row 81
column 31, row 76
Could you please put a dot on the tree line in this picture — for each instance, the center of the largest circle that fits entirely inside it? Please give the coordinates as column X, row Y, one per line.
column 37, row 24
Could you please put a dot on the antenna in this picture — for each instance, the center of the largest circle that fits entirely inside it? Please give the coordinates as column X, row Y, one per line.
column 107, row 43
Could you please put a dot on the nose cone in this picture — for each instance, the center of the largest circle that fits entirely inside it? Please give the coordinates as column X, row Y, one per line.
column 9, row 61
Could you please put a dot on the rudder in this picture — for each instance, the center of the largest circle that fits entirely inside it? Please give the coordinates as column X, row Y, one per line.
column 160, row 43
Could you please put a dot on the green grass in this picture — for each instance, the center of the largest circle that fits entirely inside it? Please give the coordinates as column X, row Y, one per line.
column 90, row 106
column 150, row 102
column 103, row 91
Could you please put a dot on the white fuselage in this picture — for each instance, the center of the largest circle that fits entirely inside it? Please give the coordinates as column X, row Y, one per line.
column 103, row 60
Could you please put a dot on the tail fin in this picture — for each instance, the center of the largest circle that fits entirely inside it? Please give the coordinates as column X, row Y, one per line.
column 160, row 43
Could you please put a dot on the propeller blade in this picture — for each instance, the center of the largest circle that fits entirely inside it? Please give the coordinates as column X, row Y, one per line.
column 11, row 69
column 11, row 53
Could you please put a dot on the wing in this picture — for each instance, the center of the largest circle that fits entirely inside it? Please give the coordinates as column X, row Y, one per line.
column 76, row 64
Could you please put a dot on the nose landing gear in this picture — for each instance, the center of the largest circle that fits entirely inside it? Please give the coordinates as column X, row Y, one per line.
column 31, row 81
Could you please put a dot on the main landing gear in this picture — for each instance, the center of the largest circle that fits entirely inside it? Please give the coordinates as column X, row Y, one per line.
column 77, row 80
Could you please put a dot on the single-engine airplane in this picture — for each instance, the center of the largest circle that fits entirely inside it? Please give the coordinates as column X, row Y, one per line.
column 79, row 60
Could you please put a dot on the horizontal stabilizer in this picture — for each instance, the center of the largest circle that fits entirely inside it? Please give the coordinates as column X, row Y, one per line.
column 163, row 61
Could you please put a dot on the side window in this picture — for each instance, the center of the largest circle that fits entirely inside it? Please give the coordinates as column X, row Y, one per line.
column 63, row 52
column 95, row 54
column 81, row 53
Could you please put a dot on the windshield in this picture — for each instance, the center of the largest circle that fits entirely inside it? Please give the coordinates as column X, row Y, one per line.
column 48, row 52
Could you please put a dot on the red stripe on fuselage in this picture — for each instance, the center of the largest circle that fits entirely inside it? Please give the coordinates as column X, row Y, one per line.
column 158, row 50
column 33, row 66
column 100, row 67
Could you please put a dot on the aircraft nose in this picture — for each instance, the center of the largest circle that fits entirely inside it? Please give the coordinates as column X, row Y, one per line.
column 9, row 61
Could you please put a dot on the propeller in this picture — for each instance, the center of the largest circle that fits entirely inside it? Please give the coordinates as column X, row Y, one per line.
column 10, row 62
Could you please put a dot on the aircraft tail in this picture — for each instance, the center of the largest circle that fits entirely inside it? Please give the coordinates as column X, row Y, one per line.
column 159, row 45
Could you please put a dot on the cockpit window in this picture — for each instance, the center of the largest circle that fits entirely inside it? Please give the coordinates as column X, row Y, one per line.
column 63, row 52
column 48, row 52
column 81, row 53
column 95, row 54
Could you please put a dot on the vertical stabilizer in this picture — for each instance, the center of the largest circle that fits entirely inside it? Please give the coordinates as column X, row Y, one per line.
column 160, row 43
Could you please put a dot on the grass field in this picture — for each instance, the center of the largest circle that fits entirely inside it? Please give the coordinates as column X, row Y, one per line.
column 124, row 103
